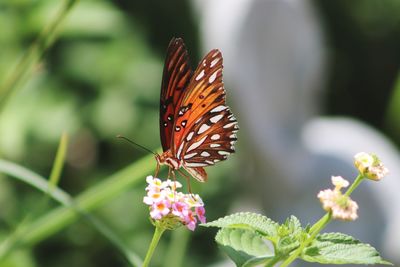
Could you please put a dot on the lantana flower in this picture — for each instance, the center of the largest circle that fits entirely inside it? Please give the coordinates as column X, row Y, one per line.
column 370, row 166
column 170, row 207
column 341, row 206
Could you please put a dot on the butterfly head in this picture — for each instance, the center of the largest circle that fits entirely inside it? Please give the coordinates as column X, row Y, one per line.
column 166, row 158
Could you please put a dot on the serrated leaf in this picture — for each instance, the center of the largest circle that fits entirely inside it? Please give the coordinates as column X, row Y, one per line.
column 338, row 248
column 245, row 247
column 247, row 220
column 294, row 225
column 287, row 244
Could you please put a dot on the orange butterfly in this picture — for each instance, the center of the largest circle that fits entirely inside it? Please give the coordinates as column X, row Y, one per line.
column 197, row 128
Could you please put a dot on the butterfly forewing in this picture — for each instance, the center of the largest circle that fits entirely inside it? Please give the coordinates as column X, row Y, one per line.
column 205, row 127
column 176, row 76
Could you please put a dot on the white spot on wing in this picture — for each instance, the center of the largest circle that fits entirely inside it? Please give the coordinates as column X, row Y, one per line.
column 178, row 155
column 213, row 77
column 215, row 61
column 232, row 136
column 204, row 127
column 217, row 118
column 215, row 137
column 215, row 145
column 197, row 144
column 198, row 120
column 201, row 74
column 218, row 109
column 222, row 152
column 229, row 125
column 191, row 155
column 215, row 54
column 195, row 164
column 210, row 162
column 189, row 136
column 205, row 154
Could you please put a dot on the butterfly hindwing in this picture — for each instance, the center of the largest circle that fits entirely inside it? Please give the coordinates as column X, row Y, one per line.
column 176, row 76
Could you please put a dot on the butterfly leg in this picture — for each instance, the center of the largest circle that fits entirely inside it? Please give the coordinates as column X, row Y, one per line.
column 187, row 180
column 157, row 169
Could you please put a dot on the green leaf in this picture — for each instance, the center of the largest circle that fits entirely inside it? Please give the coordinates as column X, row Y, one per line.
column 247, row 220
column 245, row 247
column 290, row 235
column 294, row 226
column 338, row 248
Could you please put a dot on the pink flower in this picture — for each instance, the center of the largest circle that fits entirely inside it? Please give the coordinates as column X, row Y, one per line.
column 190, row 221
column 200, row 211
column 180, row 209
column 159, row 209
column 171, row 207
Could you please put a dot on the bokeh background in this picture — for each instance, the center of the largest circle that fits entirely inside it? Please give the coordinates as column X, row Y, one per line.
column 311, row 83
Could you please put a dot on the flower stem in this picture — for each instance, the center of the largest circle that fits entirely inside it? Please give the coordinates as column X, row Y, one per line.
column 154, row 242
column 354, row 185
column 318, row 226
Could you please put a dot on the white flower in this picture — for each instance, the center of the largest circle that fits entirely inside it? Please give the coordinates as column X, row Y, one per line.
column 341, row 206
column 339, row 182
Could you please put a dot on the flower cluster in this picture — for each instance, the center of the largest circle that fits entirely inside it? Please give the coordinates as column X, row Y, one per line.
column 370, row 166
column 341, row 206
column 170, row 207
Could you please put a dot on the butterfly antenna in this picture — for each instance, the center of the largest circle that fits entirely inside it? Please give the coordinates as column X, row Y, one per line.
column 136, row 144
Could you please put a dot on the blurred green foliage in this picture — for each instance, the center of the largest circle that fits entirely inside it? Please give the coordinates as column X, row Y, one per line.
column 102, row 77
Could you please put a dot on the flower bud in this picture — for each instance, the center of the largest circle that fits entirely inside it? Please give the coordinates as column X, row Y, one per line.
column 370, row 166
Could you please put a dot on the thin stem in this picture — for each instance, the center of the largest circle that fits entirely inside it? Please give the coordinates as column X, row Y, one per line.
column 320, row 222
column 273, row 261
column 354, row 185
column 154, row 242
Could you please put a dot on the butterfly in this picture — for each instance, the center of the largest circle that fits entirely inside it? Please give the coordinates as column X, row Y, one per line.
column 197, row 128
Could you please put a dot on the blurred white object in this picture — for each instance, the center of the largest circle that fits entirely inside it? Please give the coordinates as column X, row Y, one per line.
column 274, row 59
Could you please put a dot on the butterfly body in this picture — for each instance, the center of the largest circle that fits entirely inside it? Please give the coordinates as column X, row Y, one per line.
column 197, row 129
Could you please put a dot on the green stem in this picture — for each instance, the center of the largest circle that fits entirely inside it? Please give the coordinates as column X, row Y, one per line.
column 35, row 51
column 315, row 229
column 154, row 242
column 354, row 185
column 273, row 261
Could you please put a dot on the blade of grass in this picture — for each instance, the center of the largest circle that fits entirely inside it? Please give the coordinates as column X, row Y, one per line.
column 91, row 199
column 35, row 52
column 58, row 162
column 12, row 240
column 72, row 209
